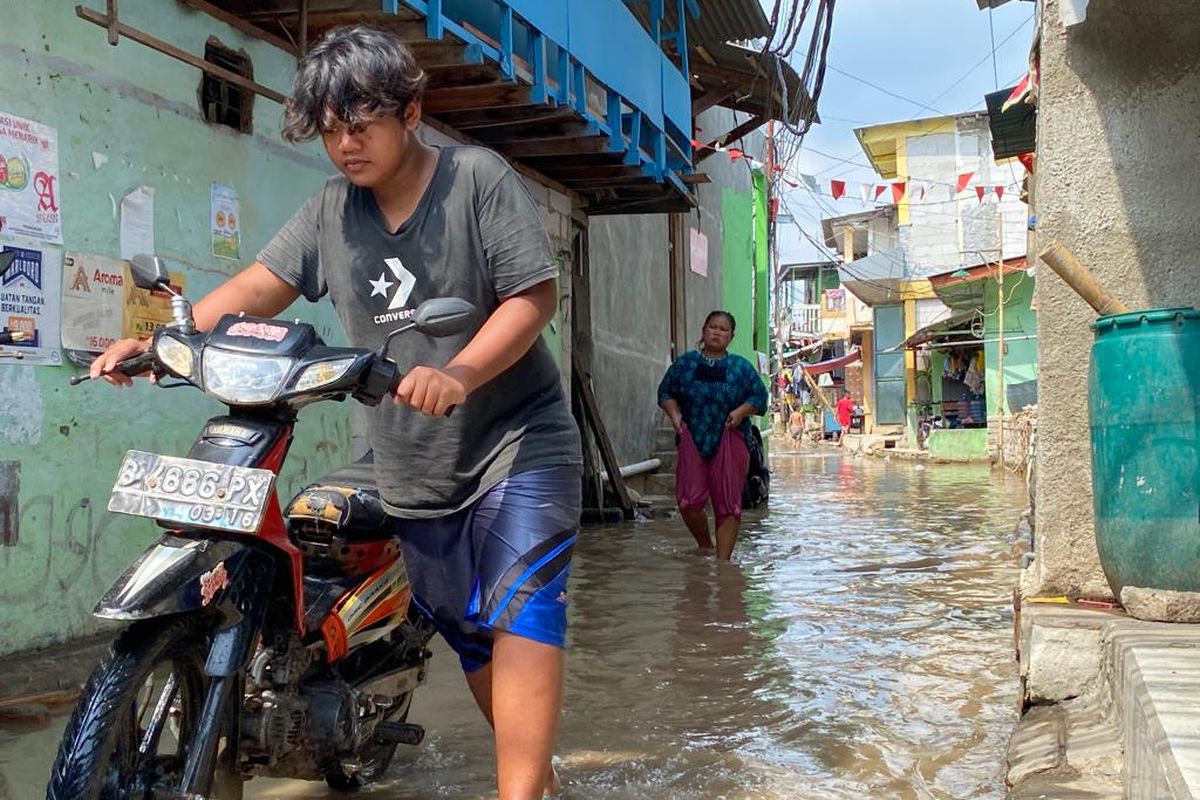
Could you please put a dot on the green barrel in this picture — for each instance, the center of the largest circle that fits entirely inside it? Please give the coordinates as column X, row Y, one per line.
column 1144, row 395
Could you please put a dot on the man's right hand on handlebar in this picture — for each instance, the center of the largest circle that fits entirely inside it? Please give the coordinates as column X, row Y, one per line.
column 117, row 352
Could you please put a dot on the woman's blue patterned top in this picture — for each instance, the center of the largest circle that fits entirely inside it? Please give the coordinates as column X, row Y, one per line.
column 707, row 390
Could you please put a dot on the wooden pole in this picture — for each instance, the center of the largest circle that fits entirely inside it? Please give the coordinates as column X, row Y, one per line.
column 1000, row 343
column 1079, row 278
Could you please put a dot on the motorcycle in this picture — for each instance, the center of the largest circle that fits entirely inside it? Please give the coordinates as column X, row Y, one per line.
column 262, row 642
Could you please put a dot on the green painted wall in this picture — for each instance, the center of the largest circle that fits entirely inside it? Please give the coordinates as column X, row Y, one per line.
column 1020, row 331
column 739, row 271
column 139, row 109
column 738, row 268
column 959, row 444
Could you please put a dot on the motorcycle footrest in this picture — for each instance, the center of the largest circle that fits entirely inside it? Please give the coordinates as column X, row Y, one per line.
column 399, row 733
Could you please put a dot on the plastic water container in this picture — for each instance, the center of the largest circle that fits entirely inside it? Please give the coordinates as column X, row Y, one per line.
column 1144, row 396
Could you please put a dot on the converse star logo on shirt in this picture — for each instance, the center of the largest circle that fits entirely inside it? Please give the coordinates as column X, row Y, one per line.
column 406, row 282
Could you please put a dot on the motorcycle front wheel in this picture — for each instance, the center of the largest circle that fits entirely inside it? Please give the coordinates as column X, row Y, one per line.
column 135, row 721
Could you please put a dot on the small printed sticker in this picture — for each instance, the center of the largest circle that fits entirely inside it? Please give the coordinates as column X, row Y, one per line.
column 258, row 330
column 212, row 582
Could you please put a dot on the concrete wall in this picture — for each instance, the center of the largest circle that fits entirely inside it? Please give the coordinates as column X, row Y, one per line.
column 958, row 444
column 629, row 273
column 1118, row 165
column 137, row 109
column 1020, row 343
column 947, row 231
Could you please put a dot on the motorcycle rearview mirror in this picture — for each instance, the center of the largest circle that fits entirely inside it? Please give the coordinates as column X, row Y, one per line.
column 149, row 272
column 444, row 316
column 437, row 316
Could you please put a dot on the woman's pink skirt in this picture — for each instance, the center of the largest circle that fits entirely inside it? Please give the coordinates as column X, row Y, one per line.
column 721, row 478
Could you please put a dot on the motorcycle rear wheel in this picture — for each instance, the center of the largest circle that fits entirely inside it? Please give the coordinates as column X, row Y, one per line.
column 146, row 695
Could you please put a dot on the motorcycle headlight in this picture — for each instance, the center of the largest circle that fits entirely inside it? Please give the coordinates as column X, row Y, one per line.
column 322, row 372
column 240, row 379
column 175, row 356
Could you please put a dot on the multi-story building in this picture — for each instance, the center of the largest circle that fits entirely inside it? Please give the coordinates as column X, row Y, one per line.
column 932, row 359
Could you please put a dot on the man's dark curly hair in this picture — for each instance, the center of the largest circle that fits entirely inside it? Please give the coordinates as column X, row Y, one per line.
column 350, row 76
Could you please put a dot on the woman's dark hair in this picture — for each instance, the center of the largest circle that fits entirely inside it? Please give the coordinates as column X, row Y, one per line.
column 349, row 76
column 726, row 315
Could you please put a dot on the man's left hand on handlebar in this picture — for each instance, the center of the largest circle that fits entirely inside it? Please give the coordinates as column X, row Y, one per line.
column 431, row 391
column 117, row 352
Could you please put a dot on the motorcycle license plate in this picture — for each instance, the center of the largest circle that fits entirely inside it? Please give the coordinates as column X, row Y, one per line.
column 188, row 492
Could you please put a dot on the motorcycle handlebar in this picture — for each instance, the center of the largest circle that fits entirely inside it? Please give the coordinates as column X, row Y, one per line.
column 130, row 366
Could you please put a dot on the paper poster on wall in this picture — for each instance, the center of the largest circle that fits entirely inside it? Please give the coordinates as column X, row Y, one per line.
column 137, row 222
column 146, row 311
column 28, row 181
column 31, row 302
column 101, row 303
column 93, row 301
column 699, row 251
column 226, row 223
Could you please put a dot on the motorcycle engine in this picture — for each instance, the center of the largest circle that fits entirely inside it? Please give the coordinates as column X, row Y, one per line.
column 291, row 727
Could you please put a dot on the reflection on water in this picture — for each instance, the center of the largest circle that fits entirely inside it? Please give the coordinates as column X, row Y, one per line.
column 859, row 646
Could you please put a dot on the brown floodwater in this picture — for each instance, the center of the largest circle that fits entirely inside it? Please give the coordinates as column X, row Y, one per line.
column 860, row 646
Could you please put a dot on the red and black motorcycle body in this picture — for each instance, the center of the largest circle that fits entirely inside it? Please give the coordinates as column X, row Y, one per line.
column 313, row 655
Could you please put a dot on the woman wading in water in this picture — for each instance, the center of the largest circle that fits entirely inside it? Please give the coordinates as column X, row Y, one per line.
column 709, row 395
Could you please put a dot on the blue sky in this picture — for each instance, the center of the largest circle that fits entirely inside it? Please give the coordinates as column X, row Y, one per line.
column 923, row 50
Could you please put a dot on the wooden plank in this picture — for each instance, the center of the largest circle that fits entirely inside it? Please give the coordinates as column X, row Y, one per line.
column 539, row 131
column 171, row 50
column 590, row 145
column 464, row 98
column 589, row 184
column 752, row 124
column 443, row 52
column 568, row 172
column 607, row 454
column 503, row 117
column 712, row 97
column 447, row 76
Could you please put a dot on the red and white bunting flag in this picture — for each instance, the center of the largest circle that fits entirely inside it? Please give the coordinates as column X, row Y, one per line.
column 1018, row 94
column 880, row 189
column 963, row 179
column 980, row 191
column 864, row 191
column 734, row 153
column 923, row 188
column 697, row 144
column 898, row 191
column 999, row 193
column 837, row 189
column 1026, row 160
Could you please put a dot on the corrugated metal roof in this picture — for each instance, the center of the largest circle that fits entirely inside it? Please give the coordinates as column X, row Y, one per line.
column 719, row 20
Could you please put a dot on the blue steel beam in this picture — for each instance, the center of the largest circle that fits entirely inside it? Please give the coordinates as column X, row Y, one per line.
column 649, row 103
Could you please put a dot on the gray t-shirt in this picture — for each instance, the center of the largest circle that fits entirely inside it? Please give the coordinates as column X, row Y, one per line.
column 476, row 234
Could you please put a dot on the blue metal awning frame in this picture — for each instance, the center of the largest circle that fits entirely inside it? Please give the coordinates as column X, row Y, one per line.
column 648, row 122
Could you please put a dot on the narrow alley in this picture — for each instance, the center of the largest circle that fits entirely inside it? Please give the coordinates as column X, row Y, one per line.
column 859, row 646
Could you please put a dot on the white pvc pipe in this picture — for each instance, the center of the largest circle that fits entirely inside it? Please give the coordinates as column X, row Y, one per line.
column 639, row 468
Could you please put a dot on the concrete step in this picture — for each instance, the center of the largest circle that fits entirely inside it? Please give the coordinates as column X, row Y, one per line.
column 664, row 438
column 661, row 483
column 669, row 459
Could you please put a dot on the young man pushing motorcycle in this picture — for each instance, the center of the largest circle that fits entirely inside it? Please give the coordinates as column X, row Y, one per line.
column 487, row 499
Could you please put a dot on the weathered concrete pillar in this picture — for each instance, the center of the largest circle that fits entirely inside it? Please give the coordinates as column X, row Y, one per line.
column 1118, row 164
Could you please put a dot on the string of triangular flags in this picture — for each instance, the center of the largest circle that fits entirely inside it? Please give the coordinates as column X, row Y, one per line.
column 871, row 192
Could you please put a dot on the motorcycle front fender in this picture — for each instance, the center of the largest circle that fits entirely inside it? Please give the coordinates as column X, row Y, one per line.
column 177, row 575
